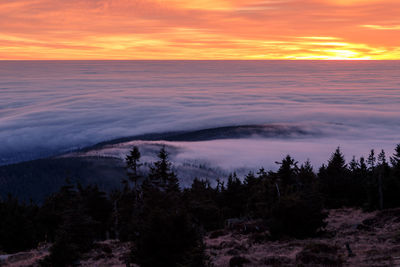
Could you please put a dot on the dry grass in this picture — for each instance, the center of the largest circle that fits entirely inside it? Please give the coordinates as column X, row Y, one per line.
column 374, row 239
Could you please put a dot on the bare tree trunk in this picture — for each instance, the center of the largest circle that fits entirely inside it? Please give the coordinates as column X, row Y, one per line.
column 277, row 189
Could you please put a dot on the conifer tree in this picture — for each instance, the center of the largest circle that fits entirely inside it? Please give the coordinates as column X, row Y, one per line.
column 306, row 174
column 288, row 171
column 336, row 163
column 382, row 158
column 354, row 165
column 132, row 164
column 250, row 180
column 363, row 166
column 391, row 185
column 200, row 201
column 97, row 205
column 233, row 196
column 371, row 160
column 383, row 172
column 395, row 159
column 161, row 174
column 298, row 212
column 167, row 234
column 76, row 229
column 335, row 180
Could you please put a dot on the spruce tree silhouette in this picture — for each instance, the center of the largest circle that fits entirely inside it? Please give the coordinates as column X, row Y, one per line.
column 391, row 185
column 167, row 234
column 395, row 159
column 371, row 160
column 132, row 165
column 335, row 180
column 161, row 174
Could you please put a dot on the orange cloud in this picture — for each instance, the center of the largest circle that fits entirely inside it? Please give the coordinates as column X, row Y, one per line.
column 199, row 29
column 380, row 27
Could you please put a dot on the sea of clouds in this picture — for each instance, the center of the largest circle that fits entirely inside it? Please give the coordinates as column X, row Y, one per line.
column 51, row 107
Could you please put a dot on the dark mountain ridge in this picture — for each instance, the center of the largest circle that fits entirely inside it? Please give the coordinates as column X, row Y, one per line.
column 36, row 179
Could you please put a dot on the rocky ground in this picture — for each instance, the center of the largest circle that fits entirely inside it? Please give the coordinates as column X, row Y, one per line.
column 109, row 253
column 352, row 238
column 373, row 240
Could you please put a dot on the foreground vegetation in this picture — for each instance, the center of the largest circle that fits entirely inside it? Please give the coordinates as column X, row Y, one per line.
column 167, row 224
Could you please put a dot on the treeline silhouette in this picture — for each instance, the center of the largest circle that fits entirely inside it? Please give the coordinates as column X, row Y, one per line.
column 167, row 223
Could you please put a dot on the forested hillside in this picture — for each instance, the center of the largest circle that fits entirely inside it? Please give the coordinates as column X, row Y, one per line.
column 166, row 223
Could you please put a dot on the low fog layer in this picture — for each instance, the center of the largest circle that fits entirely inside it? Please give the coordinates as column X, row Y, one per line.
column 51, row 107
column 218, row 158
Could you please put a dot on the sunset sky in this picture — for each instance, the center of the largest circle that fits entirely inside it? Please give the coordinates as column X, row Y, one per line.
column 199, row 29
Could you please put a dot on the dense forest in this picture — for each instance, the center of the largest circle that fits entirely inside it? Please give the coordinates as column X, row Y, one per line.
column 166, row 223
